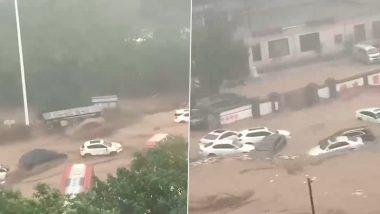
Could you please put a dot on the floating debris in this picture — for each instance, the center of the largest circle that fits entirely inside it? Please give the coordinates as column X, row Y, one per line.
column 288, row 157
column 359, row 192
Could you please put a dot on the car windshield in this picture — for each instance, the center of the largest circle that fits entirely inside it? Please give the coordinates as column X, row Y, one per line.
column 324, row 144
column 372, row 51
column 237, row 144
column 210, row 137
column 108, row 144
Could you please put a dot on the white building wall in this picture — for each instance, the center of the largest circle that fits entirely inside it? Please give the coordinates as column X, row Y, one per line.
column 327, row 38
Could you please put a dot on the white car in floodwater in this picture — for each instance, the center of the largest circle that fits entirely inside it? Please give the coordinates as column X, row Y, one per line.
column 368, row 114
column 99, row 147
column 226, row 147
column 182, row 116
column 257, row 134
column 3, row 173
column 336, row 146
column 219, row 134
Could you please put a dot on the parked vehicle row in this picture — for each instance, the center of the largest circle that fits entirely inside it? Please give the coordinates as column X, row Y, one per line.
column 246, row 136
column 223, row 142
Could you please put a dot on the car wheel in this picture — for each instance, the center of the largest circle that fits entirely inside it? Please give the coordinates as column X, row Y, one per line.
column 86, row 155
column 211, row 155
column 358, row 118
column 113, row 153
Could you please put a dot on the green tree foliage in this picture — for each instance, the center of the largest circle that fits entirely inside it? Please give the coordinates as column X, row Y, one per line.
column 77, row 49
column 155, row 183
column 216, row 55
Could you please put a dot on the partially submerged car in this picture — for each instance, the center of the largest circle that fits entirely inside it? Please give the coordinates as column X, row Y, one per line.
column 182, row 116
column 38, row 157
column 269, row 146
column 368, row 114
column 4, row 170
column 99, row 147
column 157, row 139
column 361, row 131
column 336, row 146
column 257, row 134
column 225, row 147
column 218, row 134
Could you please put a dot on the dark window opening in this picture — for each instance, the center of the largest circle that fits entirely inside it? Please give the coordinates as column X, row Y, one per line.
column 310, row 42
column 359, row 33
column 338, row 39
column 376, row 29
column 256, row 52
column 278, row 48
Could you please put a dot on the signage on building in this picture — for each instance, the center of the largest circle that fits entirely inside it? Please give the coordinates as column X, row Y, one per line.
column 87, row 111
column 110, row 101
column 236, row 114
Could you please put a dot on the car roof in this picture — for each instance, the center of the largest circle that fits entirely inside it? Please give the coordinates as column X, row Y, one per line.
column 339, row 138
column 255, row 129
column 94, row 141
column 224, row 141
column 372, row 109
column 364, row 46
column 182, row 110
column 218, row 131
column 158, row 137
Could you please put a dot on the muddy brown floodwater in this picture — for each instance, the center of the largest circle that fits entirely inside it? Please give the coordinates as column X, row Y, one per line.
column 344, row 185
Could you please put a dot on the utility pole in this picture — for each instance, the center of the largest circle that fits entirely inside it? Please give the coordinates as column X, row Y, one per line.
column 24, row 95
column 248, row 7
column 311, row 195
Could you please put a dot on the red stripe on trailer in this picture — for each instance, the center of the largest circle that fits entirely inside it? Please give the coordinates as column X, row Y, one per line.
column 88, row 177
column 65, row 177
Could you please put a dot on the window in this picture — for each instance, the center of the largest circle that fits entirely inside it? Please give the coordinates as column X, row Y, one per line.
column 365, row 113
column 223, row 146
column 372, row 115
column 210, row 137
column 376, row 29
column 187, row 114
column 368, row 114
column 359, row 33
column 338, row 39
column 74, row 182
column 207, row 144
column 3, row 170
column 310, row 42
column 256, row 52
column 278, row 48
column 228, row 134
column 258, row 134
column 99, row 146
column 354, row 134
column 338, row 145
column 94, row 141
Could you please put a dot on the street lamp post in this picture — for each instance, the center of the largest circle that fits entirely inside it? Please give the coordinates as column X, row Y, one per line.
column 24, row 95
column 309, row 181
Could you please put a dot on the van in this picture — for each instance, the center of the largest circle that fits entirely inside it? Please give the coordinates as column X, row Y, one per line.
column 366, row 53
